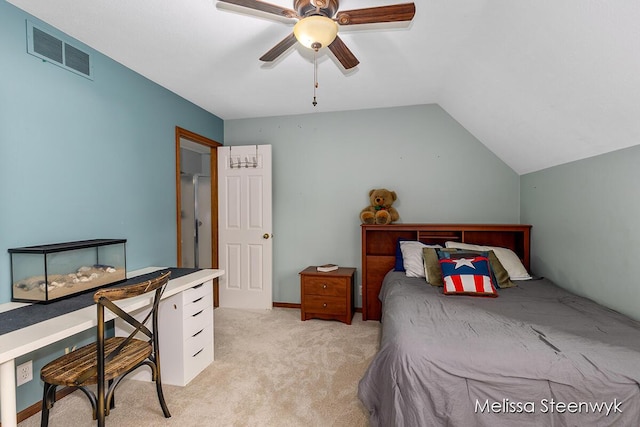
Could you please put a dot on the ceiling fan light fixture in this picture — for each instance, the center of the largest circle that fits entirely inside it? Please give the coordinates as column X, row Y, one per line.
column 315, row 31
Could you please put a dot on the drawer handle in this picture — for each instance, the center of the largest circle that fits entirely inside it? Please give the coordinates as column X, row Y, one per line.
column 324, row 286
column 196, row 300
column 199, row 351
column 198, row 286
column 197, row 333
column 197, row 314
column 324, row 305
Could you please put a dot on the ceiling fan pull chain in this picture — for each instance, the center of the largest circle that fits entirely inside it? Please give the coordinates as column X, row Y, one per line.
column 315, row 76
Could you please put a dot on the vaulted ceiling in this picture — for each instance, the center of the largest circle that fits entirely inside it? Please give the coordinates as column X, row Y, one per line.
column 539, row 82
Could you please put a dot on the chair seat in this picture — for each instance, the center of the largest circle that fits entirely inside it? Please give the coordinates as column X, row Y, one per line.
column 67, row 369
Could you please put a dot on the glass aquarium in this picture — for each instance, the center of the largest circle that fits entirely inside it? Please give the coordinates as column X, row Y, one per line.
column 45, row 273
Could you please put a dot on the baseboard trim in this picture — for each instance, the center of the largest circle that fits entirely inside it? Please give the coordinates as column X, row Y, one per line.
column 285, row 305
column 37, row 407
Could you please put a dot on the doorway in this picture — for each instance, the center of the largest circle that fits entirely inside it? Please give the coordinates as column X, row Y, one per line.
column 195, row 189
column 197, row 202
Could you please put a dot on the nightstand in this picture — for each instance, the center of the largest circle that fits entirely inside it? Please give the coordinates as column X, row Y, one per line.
column 328, row 295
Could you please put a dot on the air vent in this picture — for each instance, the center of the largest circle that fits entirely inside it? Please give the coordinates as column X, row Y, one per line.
column 55, row 50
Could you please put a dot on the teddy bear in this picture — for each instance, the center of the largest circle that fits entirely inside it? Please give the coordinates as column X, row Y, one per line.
column 380, row 210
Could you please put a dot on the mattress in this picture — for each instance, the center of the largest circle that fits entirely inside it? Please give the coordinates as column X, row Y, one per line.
column 535, row 356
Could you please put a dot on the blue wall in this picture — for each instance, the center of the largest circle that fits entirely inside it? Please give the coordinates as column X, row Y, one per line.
column 83, row 159
column 324, row 165
column 585, row 227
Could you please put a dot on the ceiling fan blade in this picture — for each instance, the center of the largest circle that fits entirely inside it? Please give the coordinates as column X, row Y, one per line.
column 264, row 7
column 279, row 49
column 371, row 15
column 343, row 54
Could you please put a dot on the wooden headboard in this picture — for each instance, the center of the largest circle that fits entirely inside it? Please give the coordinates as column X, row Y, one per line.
column 379, row 249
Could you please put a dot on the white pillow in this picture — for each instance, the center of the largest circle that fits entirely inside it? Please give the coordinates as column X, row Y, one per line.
column 412, row 257
column 506, row 256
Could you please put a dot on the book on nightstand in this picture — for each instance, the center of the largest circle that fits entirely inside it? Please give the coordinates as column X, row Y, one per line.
column 327, row 267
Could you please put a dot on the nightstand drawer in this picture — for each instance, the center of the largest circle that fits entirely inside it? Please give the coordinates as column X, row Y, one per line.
column 325, row 305
column 325, row 286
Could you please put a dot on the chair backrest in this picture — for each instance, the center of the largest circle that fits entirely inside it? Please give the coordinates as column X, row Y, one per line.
column 105, row 298
column 129, row 291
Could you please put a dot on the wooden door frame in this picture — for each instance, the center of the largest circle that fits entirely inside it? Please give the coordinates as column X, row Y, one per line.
column 202, row 140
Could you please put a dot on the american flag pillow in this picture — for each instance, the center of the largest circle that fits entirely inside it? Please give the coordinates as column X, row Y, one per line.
column 467, row 276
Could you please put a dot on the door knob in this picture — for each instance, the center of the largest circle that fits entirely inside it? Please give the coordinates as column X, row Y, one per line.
column 265, row 236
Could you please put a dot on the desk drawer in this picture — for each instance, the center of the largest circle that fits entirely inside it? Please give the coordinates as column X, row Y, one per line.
column 186, row 341
column 195, row 308
column 196, row 292
column 197, row 321
column 197, row 342
column 197, row 362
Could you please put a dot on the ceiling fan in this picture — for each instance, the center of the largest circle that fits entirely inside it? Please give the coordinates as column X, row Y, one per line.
column 318, row 22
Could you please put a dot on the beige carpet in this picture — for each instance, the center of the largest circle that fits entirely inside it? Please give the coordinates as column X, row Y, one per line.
column 270, row 369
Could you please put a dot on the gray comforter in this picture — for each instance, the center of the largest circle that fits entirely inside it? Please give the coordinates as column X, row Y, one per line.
column 535, row 356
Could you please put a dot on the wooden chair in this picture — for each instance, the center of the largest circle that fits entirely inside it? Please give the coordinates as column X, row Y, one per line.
column 109, row 360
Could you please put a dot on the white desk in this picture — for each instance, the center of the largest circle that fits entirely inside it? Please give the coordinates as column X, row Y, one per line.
column 31, row 338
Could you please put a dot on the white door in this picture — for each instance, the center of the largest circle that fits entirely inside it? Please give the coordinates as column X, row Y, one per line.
column 244, row 226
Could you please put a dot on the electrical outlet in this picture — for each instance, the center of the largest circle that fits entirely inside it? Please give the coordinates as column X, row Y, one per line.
column 360, row 290
column 24, row 373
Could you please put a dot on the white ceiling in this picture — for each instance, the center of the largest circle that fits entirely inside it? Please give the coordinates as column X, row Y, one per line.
column 539, row 82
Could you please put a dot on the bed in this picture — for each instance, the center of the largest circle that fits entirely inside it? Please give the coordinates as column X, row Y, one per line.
column 536, row 355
